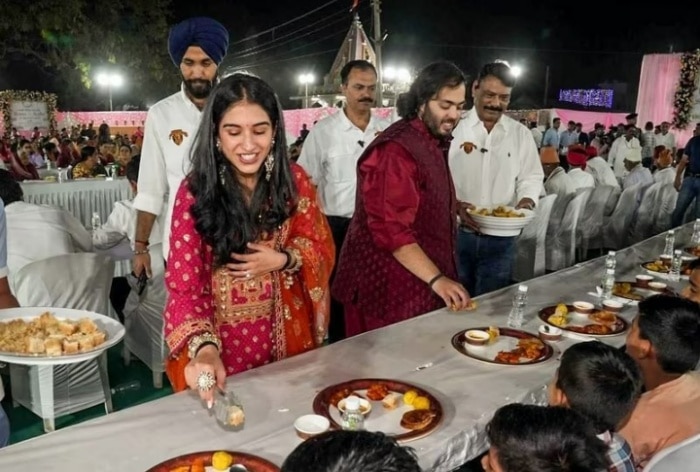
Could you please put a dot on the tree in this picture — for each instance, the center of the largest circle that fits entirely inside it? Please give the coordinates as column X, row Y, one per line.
column 75, row 38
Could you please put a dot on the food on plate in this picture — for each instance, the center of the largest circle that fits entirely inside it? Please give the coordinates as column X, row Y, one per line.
column 693, row 250
column 421, row 403
column 501, row 212
column 409, row 396
column 181, row 468
column 528, row 348
column 221, row 460
column 198, row 465
column 391, row 401
column 594, row 329
column 656, row 266
column 49, row 336
column 339, row 395
column 471, row 307
column 625, row 290
column 377, row 392
column 603, row 317
column 417, row 419
column 559, row 318
column 494, row 333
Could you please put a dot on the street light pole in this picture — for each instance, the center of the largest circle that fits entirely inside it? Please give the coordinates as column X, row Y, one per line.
column 109, row 90
column 378, row 40
column 306, row 95
column 546, row 88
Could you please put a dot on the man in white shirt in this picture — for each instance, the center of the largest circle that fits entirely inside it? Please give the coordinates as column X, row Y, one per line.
column 37, row 232
column 636, row 173
column 330, row 153
column 665, row 173
column 536, row 134
column 577, row 165
column 567, row 138
column 7, row 300
column 494, row 162
column 600, row 169
column 666, row 138
column 551, row 135
column 557, row 181
column 620, row 147
column 197, row 46
column 648, row 142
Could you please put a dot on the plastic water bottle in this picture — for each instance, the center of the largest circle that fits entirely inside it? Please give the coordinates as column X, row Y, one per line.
column 126, row 387
column 695, row 239
column 670, row 242
column 95, row 221
column 353, row 419
column 611, row 260
column 608, row 283
column 517, row 313
column 674, row 274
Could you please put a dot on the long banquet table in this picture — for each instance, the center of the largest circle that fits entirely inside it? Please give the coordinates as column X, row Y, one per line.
column 417, row 351
column 80, row 197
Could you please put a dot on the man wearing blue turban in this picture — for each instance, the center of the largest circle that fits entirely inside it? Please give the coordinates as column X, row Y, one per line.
column 197, row 46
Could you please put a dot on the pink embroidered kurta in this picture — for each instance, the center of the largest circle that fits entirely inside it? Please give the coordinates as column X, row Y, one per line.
column 259, row 320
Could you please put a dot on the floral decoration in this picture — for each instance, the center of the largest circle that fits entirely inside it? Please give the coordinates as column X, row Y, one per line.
column 687, row 85
column 8, row 96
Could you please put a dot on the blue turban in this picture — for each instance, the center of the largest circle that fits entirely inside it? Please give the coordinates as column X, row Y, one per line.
column 208, row 34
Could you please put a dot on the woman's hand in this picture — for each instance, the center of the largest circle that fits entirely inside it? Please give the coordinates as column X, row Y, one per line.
column 260, row 261
column 206, row 361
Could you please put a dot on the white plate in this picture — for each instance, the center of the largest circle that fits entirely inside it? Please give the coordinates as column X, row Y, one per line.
column 113, row 328
column 500, row 226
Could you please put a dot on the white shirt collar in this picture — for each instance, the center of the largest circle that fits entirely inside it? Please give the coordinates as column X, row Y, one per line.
column 349, row 125
column 472, row 119
column 186, row 99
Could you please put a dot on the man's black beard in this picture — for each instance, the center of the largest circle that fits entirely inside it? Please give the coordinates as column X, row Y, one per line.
column 433, row 125
column 199, row 88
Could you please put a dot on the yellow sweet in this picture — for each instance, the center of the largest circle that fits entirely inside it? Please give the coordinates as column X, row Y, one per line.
column 421, row 403
column 409, row 397
column 494, row 333
column 221, row 460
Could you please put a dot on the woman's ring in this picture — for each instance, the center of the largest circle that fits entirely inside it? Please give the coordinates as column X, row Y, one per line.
column 248, row 275
column 205, row 381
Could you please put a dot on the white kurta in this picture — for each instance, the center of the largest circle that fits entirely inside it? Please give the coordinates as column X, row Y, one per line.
column 502, row 168
column 37, row 232
column 665, row 176
column 121, row 225
column 171, row 126
column 581, row 179
column 559, row 183
column 329, row 155
column 636, row 176
column 616, row 156
column 601, row 172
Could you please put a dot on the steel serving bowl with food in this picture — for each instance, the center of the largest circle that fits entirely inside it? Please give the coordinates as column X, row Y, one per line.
column 502, row 220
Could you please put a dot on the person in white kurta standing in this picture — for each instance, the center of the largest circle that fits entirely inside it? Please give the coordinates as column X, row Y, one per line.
column 7, row 300
column 330, row 155
column 197, row 46
column 494, row 161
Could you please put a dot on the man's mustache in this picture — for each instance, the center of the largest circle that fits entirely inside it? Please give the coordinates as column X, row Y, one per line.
column 494, row 108
column 368, row 100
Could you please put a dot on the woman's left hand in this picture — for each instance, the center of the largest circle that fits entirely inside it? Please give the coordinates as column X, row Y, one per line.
column 260, row 261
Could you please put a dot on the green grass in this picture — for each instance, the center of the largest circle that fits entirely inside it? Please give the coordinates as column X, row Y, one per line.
column 25, row 424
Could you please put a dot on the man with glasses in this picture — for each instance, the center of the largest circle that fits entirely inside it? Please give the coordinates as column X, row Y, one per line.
column 398, row 258
column 494, row 162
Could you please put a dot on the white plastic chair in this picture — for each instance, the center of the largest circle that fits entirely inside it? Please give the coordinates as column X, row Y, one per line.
column 81, row 281
column 561, row 244
column 143, row 320
column 684, row 456
column 617, row 229
column 590, row 225
column 668, row 197
column 530, row 245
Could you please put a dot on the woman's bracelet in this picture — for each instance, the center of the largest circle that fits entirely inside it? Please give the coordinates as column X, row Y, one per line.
column 140, row 252
column 197, row 342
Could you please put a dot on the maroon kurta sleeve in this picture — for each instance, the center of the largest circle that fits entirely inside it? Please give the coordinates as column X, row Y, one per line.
column 390, row 195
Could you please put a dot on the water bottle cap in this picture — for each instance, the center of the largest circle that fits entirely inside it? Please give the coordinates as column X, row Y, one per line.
column 677, row 252
column 352, row 403
column 611, row 271
column 671, row 232
column 611, row 253
column 522, row 288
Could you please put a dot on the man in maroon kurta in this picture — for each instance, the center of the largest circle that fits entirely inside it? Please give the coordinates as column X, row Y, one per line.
column 398, row 260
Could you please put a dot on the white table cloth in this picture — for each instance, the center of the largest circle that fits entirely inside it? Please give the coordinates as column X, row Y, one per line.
column 418, row 351
column 81, row 197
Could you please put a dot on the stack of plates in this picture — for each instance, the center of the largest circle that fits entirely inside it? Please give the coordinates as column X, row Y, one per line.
column 502, row 226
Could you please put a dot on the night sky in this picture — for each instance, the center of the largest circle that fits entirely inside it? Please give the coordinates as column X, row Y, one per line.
column 585, row 45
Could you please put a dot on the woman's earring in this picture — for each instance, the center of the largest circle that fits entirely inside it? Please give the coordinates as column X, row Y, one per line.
column 269, row 165
column 270, row 162
column 218, row 144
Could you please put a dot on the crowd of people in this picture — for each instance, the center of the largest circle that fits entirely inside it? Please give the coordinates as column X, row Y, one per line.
column 267, row 258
